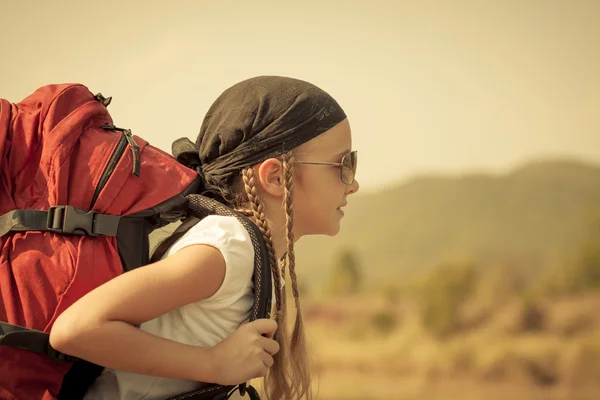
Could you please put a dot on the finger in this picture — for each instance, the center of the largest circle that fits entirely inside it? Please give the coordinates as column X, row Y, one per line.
column 265, row 326
column 267, row 360
column 270, row 335
column 270, row 346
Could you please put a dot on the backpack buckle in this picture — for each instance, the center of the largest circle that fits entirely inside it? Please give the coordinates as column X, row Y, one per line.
column 70, row 220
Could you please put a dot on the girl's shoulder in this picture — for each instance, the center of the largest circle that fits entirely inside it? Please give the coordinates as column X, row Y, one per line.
column 230, row 237
column 218, row 231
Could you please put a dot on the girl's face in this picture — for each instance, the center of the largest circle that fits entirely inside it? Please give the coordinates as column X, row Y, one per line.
column 319, row 191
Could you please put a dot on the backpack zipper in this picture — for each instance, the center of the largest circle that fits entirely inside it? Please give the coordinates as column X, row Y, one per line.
column 126, row 139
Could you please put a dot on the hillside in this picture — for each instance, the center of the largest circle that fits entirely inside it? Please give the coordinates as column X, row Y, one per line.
column 532, row 216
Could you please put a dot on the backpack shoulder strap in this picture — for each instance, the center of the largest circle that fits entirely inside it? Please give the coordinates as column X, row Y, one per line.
column 200, row 206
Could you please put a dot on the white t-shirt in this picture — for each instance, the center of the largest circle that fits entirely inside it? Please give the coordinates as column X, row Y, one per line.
column 203, row 323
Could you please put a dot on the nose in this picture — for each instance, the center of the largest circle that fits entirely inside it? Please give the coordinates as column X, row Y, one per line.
column 353, row 188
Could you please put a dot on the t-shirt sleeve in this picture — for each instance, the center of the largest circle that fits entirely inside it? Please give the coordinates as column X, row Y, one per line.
column 229, row 236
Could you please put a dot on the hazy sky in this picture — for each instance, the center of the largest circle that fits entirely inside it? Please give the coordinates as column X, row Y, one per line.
column 444, row 85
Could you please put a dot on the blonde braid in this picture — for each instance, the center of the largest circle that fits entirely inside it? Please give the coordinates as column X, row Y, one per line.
column 282, row 262
column 284, row 325
column 260, row 221
column 288, row 160
column 277, row 382
column 302, row 378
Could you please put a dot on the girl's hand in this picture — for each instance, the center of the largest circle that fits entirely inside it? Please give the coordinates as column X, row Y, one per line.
column 246, row 354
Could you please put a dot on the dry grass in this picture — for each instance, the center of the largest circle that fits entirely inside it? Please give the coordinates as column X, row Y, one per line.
column 499, row 357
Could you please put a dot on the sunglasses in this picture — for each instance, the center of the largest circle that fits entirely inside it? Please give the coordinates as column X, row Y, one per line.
column 347, row 166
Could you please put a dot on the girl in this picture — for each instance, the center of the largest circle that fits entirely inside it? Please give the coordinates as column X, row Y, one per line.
column 278, row 149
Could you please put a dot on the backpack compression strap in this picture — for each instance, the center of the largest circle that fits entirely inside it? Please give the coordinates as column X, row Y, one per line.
column 57, row 219
column 29, row 339
column 60, row 219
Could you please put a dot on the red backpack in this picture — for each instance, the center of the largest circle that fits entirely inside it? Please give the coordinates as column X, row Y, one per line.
column 78, row 199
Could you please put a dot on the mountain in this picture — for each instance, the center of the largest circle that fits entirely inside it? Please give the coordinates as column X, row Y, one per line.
column 532, row 216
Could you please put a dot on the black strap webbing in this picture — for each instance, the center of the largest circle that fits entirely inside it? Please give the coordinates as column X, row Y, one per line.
column 29, row 339
column 60, row 219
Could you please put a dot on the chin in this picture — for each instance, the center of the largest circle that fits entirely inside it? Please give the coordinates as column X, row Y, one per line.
column 333, row 229
column 328, row 230
column 328, row 225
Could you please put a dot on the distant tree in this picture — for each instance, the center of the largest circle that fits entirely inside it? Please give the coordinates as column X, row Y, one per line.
column 589, row 259
column 346, row 276
column 442, row 293
column 580, row 274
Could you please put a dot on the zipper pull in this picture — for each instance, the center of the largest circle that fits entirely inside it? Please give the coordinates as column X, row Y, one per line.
column 135, row 151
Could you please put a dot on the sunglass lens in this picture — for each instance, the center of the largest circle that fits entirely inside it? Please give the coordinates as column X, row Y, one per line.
column 349, row 168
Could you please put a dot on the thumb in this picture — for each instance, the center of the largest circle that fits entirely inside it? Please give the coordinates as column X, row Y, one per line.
column 265, row 326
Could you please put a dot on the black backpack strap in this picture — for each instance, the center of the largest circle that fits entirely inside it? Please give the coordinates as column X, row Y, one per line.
column 218, row 392
column 199, row 207
column 33, row 340
column 80, row 376
column 78, row 380
column 252, row 393
column 134, row 229
column 60, row 219
column 210, row 392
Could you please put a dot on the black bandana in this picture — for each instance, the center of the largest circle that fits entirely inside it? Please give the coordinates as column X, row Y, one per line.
column 254, row 120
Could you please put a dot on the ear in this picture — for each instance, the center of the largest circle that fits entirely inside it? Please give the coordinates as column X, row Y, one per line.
column 270, row 177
